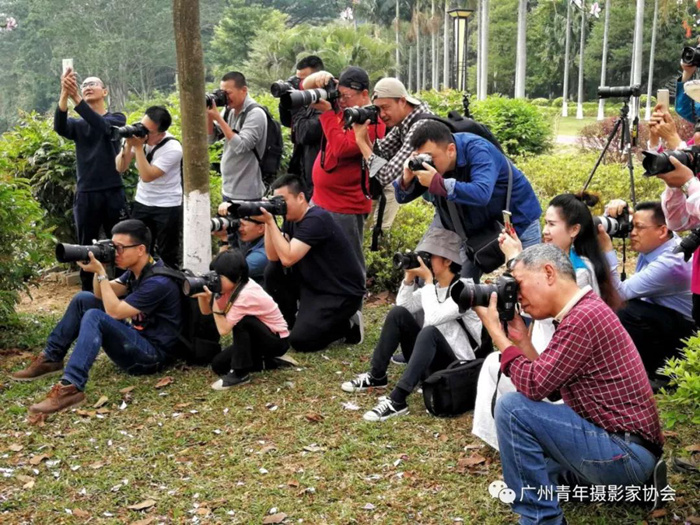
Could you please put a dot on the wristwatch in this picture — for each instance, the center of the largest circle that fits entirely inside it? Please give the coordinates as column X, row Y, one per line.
column 101, row 278
column 686, row 185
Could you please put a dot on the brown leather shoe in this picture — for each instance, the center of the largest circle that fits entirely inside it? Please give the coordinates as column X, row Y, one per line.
column 60, row 397
column 39, row 367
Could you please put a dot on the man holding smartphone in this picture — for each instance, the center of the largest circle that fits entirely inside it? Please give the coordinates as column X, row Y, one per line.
column 100, row 200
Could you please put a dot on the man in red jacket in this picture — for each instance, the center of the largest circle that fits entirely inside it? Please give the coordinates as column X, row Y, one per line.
column 341, row 182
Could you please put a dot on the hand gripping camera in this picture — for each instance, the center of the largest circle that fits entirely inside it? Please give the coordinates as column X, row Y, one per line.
column 128, row 131
column 416, row 163
column 361, row 115
column 409, row 260
column 295, row 98
column 102, row 250
column 470, row 295
column 217, row 98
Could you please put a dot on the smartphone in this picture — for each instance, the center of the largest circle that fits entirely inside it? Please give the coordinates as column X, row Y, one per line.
column 507, row 222
column 67, row 64
column 662, row 97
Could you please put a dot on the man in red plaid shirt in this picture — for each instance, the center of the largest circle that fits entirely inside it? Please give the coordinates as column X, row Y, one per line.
column 607, row 432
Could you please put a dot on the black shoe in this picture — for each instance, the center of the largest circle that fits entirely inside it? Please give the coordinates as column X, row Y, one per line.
column 356, row 334
column 230, row 380
column 660, row 480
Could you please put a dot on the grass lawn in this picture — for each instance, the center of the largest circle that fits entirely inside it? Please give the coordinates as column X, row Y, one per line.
column 571, row 126
column 285, row 443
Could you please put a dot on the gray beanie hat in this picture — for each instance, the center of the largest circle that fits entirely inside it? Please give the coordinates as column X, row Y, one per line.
column 441, row 242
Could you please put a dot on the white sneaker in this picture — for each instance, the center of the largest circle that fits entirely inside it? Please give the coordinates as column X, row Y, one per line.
column 363, row 382
column 384, row 410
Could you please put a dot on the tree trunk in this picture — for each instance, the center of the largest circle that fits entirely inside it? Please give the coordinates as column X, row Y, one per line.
column 604, row 61
column 424, row 64
column 579, row 108
column 478, row 50
column 398, row 54
column 638, row 53
column 190, row 72
column 652, row 51
column 416, row 17
column 410, row 68
column 521, row 50
column 433, row 50
column 446, row 50
column 484, row 49
column 565, row 93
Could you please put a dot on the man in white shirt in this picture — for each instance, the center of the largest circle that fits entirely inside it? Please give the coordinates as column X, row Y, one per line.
column 158, row 201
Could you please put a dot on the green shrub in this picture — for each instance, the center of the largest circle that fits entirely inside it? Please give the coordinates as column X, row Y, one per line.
column 442, row 102
column 518, row 125
column 681, row 403
column 25, row 244
column 540, row 102
column 643, row 101
column 411, row 223
column 558, row 102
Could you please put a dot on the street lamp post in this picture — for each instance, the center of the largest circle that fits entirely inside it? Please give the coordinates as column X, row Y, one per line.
column 460, row 19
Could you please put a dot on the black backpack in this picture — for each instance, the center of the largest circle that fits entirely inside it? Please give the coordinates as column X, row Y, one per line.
column 198, row 337
column 461, row 124
column 271, row 159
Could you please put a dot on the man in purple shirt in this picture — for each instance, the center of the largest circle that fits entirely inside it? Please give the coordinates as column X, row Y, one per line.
column 607, row 431
column 658, row 313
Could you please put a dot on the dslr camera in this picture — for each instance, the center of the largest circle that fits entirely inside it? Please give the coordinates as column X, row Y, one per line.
column 658, row 163
column 276, row 206
column 279, row 88
column 128, row 131
column 690, row 56
column 361, row 115
column 409, row 260
column 416, row 163
column 299, row 98
column 217, row 98
column 227, row 224
column 470, row 295
column 689, row 244
column 194, row 284
column 617, row 227
column 102, row 250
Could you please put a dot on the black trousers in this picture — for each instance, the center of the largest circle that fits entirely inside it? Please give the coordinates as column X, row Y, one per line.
column 315, row 320
column 166, row 231
column 657, row 331
column 93, row 210
column 254, row 344
column 426, row 349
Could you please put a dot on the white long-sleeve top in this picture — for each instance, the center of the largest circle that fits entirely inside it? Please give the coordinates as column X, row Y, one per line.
column 441, row 311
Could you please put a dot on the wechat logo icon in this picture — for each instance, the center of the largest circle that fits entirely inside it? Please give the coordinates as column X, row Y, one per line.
column 499, row 489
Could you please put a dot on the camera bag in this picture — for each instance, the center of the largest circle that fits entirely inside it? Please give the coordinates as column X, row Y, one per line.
column 452, row 391
column 483, row 248
column 198, row 337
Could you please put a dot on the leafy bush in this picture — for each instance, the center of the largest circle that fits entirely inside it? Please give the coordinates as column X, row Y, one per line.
column 24, row 242
column 594, row 136
column 518, row 125
column 682, row 405
column 643, row 101
column 442, row 102
column 551, row 175
column 411, row 223
column 558, row 102
column 540, row 102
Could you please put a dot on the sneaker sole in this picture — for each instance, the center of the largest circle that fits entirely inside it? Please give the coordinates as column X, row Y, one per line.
column 28, row 379
column 221, row 388
column 355, row 390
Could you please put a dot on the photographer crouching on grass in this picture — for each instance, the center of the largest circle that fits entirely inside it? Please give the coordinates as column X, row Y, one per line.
column 443, row 338
column 608, row 430
column 98, row 319
column 313, row 273
column 241, row 306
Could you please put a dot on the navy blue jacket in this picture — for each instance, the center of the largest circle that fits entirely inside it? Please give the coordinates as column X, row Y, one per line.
column 94, row 150
column 479, row 184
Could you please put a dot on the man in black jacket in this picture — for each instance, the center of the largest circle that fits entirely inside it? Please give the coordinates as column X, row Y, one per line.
column 306, row 128
column 99, row 196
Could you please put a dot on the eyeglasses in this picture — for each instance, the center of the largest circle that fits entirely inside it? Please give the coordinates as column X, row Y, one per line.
column 642, row 227
column 92, row 83
column 119, row 248
column 348, row 96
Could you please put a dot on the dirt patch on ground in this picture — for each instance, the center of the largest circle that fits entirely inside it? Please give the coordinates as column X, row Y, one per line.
column 49, row 297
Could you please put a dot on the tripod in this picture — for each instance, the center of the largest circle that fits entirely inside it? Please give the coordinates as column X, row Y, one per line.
column 628, row 139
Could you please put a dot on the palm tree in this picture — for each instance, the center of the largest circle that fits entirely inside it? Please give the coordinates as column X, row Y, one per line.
column 565, row 94
column 637, row 52
column 647, row 113
column 579, row 108
column 446, row 49
column 397, row 21
column 521, row 50
column 604, row 61
column 433, row 49
column 484, row 25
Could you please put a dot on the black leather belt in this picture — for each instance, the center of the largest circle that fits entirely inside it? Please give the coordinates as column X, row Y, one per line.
column 655, row 449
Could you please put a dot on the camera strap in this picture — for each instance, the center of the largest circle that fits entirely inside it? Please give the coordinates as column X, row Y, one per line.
column 150, row 154
column 234, row 296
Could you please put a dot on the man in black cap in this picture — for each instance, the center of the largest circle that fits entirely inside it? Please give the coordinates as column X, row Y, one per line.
column 341, row 184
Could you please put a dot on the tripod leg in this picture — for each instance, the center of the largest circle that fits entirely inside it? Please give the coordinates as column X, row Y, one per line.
column 611, row 136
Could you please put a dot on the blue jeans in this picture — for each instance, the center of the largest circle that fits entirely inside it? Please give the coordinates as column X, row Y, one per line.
column 86, row 322
column 540, row 442
column 531, row 235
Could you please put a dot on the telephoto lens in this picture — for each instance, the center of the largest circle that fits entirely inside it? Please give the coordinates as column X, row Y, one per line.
column 128, row 131
column 228, row 224
column 657, row 163
column 360, row 115
column 102, row 250
column 468, row 296
column 619, row 228
column 416, row 163
column 195, row 284
column 619, row 91
column 276, row 206
column 409, row 260
column 217, row 98
column 296, row 98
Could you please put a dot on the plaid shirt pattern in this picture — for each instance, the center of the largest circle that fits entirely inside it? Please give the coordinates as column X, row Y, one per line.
column 593, row 363
column 391, row 152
